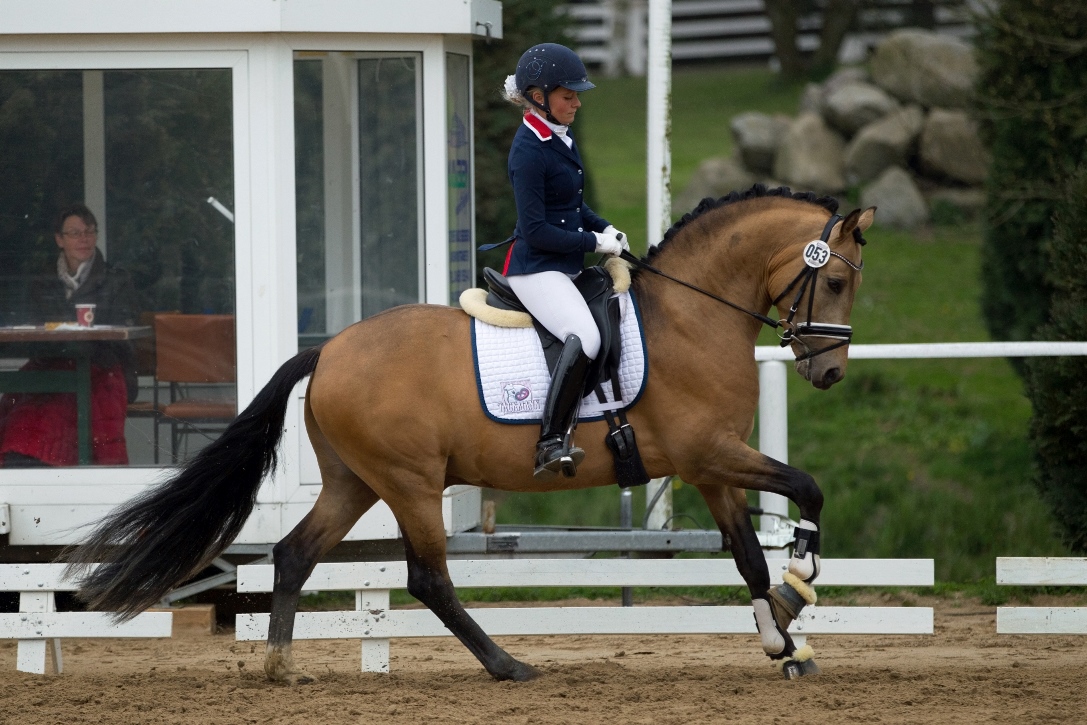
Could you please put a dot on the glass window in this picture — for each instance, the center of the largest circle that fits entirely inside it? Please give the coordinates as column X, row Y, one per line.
column 458, row 107
column 358, row 166
column 149, row 156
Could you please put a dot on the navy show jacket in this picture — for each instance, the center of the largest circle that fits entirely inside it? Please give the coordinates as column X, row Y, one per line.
column 554, row 225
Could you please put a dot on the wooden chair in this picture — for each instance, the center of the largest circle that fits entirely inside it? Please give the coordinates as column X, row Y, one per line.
column 195, row 350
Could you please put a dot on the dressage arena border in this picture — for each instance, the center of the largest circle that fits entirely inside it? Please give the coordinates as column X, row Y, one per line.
column 375, row 623
column 37, row 620
column 1045, row 572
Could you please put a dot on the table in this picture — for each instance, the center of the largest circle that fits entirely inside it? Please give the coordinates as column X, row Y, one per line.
column 67, row 342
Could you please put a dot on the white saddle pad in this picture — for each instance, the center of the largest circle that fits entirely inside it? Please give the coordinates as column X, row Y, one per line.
column 513, row 380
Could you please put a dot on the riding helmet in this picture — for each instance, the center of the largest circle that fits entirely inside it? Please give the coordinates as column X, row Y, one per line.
column 548, row 66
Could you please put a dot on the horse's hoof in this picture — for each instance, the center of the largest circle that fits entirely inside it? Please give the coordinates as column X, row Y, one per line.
column 519, row 672
column 297, row 678
column 795, row 669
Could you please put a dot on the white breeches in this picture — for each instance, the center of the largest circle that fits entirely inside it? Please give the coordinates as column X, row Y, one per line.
column 553, row 300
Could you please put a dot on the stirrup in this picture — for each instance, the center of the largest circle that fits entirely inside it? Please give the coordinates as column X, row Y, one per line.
column 553, row 457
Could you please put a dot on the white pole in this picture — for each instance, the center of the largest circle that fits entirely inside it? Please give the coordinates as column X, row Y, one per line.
column 658, row 124
column 773, row 436
column 658, row 176
column 94, row 151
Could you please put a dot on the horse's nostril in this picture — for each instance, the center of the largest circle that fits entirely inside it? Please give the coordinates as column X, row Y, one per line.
column 832, row 376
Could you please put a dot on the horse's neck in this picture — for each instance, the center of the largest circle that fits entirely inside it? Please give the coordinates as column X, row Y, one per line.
column 735, row 264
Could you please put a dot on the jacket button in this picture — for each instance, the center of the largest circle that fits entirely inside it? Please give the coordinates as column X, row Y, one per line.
column 578, row 209
column 562, row 221
column 579, row 191
column 580, row 229
column 579, row 171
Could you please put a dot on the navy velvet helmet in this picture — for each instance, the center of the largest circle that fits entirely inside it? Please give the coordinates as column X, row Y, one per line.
column 548, row 66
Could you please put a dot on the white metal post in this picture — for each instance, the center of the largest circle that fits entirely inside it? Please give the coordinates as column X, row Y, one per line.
column 658, row 174
column 773, row 437
column 658, row 124
column 94, row 151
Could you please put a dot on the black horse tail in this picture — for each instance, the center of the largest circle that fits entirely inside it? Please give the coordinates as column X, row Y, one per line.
column 162, row 537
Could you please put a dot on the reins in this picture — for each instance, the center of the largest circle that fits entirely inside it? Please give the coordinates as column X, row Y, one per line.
column 816, row 254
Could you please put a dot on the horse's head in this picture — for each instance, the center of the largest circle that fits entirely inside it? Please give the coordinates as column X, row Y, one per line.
column 815, row 290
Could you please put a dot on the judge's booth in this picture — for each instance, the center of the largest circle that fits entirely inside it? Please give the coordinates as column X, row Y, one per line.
column 261, row 175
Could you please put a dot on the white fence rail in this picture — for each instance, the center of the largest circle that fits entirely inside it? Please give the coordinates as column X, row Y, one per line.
column 774, row 404
column 1038, row 571
column 375, row 623
column 37, row 621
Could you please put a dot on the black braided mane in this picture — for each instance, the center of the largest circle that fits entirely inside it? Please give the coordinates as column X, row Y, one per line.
column 757, row 191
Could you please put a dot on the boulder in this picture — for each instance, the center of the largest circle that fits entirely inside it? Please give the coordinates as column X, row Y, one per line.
column 757, row 137
column 714, row 178
column 898, row 198
column 920, row 66
column 844, row 76
column 884, row 143
column 811, row 100
column 950, row 147
column 811, row 156
column 854, row 105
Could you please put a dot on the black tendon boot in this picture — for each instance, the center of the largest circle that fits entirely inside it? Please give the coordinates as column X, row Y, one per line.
column 567, row 389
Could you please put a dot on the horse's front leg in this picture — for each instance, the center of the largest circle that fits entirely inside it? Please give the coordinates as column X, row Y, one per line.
column 429, row 582
column 729, row 508
column 777, row 607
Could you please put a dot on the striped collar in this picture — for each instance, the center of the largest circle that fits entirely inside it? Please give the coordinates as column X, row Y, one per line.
column 543, row 128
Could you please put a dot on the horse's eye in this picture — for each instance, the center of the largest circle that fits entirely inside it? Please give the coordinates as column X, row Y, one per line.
column 836, row 285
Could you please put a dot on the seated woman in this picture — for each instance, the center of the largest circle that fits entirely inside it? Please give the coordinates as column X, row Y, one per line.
column 40, row 428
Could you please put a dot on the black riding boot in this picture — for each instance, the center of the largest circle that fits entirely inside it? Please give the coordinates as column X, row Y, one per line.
column 567, row 390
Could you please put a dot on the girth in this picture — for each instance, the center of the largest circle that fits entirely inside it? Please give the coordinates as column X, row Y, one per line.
column 595, row 286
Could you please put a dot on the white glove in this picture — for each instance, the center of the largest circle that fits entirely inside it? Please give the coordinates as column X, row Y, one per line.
column 608, row 243
column 621, row 236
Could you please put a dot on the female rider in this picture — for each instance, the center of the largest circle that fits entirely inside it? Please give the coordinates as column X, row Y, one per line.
column 555, row 229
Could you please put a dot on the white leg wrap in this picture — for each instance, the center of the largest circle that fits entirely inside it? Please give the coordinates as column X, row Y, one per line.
column 805, row 567
column 772, row 641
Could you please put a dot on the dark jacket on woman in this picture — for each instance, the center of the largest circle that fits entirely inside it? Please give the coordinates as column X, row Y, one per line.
column 107, row 287
column 554, row 224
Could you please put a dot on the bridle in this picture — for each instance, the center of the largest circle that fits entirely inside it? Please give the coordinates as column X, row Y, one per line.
column 816, row 254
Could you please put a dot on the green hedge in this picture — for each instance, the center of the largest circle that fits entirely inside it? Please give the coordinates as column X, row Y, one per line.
column 1033, row 113
column 1058, row 386
column 1033, row 99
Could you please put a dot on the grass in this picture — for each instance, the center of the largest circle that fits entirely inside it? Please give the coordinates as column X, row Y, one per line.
column 925, row 458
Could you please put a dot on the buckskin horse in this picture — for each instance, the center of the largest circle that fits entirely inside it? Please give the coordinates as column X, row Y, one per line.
column 377, row 436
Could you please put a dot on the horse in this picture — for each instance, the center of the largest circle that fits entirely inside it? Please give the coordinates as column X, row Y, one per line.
column 391, row 411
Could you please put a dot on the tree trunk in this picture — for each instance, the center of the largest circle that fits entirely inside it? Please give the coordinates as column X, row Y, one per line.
column 782, row 14
column 838, row 18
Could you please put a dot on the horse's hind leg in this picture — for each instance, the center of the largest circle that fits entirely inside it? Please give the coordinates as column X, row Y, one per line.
column 344, row 498
column 429, row 582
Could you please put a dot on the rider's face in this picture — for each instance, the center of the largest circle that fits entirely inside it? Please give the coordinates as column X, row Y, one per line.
column 564, row 104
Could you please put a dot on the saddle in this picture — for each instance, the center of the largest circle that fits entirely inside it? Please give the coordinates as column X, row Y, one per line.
column 596, row 287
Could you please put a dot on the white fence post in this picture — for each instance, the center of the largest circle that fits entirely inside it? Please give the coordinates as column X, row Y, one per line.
column 773, row 440
column 375, row 652
column 32, row 653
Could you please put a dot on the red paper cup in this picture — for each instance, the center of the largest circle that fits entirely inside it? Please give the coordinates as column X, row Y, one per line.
column 84, row 315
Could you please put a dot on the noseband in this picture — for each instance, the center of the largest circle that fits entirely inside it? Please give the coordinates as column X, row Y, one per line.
column 816, row 254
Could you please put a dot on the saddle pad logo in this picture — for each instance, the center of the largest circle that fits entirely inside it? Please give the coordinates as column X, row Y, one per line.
column 517, row 397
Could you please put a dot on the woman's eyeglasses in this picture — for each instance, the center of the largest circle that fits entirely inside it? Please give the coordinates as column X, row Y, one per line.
column 92, row 232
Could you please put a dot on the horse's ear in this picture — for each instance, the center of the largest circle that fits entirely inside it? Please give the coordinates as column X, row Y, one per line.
column 844, row 227
column 866, row 219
